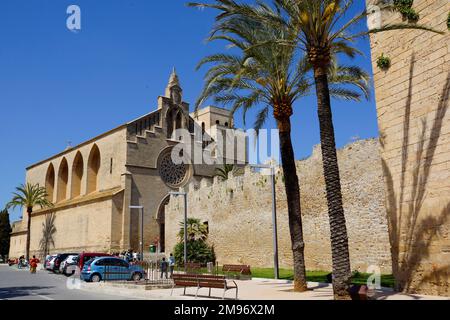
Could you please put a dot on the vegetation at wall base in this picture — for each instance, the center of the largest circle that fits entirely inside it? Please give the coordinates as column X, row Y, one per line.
column 198, row 251
column 5, row 230
column 387, row 280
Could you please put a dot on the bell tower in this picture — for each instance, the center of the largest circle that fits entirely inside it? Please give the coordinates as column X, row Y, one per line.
column 173, row 89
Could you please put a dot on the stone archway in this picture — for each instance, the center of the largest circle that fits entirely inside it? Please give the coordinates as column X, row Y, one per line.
column 161, row 220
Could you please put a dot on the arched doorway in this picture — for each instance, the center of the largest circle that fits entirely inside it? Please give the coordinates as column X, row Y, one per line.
column 161, row 220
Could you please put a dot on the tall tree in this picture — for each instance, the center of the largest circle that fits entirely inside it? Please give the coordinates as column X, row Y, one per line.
column 322, row 30
column 326, row 30
column 48, row 232
column 224, row 171
column 29, row 196
column 273, row 75
column 5, row 234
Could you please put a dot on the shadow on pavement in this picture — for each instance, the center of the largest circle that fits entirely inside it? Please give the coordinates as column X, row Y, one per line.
column 14, row 292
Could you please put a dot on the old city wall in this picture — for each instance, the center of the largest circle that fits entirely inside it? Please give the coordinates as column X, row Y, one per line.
column 239, row 214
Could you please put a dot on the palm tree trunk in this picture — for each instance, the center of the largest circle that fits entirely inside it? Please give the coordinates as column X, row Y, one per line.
column 29, row 211
column 338, row 230
column 293, row 201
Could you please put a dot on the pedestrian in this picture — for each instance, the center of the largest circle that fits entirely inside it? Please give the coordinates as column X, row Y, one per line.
column 164, row 266
column 33, row 264
column 20, row 262
column 171, row 265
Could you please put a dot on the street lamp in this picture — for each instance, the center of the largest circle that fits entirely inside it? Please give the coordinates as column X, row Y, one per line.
column 141, row 244
column 274, row 216
column 184, row 194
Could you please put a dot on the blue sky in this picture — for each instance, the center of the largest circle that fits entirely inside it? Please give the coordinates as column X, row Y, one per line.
column 58, row 86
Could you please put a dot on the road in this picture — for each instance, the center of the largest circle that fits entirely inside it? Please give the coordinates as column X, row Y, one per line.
column 21, row 285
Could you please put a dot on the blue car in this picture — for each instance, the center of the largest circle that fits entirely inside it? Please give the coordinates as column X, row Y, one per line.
column 110, row 268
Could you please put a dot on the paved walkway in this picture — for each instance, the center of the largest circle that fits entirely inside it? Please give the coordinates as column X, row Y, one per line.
column 256, row 289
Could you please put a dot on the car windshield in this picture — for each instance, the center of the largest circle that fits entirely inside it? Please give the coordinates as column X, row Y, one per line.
column 89, row 262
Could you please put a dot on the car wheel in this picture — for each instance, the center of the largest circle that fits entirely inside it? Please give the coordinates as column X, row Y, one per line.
column 136, row 276
column 96, row 278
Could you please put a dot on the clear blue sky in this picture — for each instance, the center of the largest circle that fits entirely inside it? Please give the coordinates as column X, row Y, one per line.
column 58, row 86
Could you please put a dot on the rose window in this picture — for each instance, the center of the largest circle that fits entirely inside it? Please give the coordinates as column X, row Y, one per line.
column 172, row 174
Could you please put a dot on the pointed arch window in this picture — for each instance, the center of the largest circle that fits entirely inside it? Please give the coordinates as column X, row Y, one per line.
column 63, row 179
column 50, row 182
column 93, row 169
column 77, row 175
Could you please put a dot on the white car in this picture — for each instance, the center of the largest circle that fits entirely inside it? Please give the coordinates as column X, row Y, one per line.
column 50, row 262
column 70, row 260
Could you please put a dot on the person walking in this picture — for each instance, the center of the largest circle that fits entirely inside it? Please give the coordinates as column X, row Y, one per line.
column 33, row 264
column 164, row 266
column 171, row 265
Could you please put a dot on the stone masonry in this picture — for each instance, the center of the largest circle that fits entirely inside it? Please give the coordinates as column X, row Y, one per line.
column 412, row 102
column 238, row 212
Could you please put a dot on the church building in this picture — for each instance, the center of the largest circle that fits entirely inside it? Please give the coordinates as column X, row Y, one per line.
column 93, row 185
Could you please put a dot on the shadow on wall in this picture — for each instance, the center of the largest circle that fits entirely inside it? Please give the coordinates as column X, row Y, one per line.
column 411, row 241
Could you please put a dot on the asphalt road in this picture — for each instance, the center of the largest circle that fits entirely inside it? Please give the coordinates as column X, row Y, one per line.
column 21, row 285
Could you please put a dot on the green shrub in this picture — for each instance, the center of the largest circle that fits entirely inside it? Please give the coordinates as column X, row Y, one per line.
column 403, row 3
column 383, row 62
column 198, row 251
column 406, row 9
column 448, row 21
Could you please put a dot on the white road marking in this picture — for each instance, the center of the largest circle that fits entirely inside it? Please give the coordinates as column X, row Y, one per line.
column 41, row 296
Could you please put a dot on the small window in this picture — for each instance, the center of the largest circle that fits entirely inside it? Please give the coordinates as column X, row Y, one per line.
column 111, row 166
column 226, row 124
column 217, row 122
column 122, row 263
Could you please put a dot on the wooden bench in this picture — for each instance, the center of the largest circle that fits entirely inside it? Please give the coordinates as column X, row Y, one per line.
column 237, row 268
column 203, row 281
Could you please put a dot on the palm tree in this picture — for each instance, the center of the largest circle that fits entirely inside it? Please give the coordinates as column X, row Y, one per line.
column 274, row 75
column 321, row 30
column 324, row 32
column 224, row 171
column 29, row 196
column 48, row 231
column 195, row 230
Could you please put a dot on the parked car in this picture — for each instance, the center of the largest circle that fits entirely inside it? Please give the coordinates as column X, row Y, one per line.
column 111, row 268
column 50, row 262
column 86, row 256
column 71, row 268
column 71, row 259
column 60, row 258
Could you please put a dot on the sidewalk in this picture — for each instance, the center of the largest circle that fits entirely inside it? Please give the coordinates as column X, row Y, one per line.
column 256, row 289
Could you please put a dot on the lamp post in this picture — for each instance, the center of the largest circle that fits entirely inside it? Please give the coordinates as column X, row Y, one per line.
column 274, row 217
column 141, row 243
column 184, row 194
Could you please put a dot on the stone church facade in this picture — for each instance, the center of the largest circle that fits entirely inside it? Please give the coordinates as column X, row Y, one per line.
column 94, row 184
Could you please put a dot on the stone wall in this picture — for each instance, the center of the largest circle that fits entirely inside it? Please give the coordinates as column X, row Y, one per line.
column 412, row 103
column 239, row 215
